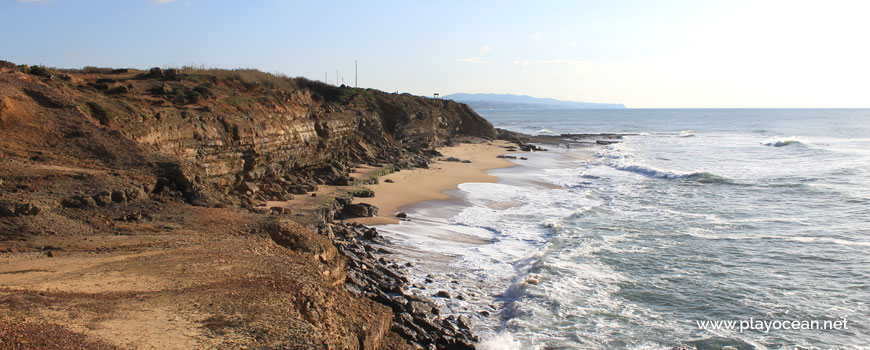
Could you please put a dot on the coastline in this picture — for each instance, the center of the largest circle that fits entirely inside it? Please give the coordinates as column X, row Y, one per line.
column 411, row 186
column 429, row 249
column 107, row 184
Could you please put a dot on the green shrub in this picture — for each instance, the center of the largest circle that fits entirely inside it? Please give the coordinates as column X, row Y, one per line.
column 41, row 71
column 100, row 113
column 96, row 70
column 192, row 96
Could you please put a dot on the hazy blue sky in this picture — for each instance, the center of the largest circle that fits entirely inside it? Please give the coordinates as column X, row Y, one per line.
column 641, row 53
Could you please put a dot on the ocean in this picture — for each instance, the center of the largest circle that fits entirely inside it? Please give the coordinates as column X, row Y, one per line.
column 709, row 229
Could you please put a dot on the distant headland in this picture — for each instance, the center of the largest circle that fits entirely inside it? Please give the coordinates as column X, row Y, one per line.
column 511, row 101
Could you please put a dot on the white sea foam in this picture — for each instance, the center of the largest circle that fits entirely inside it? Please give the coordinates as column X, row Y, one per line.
column 615, row 158
column 781, row 141
column 500, row 341
column 686, row 133
column 709, row 234
column 825, row 240
column 640, row 257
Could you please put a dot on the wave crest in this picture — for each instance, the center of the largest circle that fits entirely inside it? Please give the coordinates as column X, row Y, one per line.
column 781, row 141
column 698, row 176
column 617, row 160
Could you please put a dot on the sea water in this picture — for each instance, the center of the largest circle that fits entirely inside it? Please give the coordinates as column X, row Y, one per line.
column 703, row 216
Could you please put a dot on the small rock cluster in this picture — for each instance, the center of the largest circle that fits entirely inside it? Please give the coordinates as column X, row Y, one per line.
column 103, row 198
column 11, row 209
column 416, row 318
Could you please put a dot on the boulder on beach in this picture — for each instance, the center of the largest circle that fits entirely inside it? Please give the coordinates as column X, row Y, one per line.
column 360, row 210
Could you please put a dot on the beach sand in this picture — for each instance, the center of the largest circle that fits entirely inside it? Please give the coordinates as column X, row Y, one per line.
column 416, row 185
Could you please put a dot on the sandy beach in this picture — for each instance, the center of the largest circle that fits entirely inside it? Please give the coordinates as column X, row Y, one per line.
column 416, row 185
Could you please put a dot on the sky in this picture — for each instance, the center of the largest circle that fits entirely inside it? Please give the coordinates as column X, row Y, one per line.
column 644, row 54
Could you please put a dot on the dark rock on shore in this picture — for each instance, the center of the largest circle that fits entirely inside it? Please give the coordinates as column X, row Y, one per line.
column 416, row 318
column 364, row 193
column 362, row 210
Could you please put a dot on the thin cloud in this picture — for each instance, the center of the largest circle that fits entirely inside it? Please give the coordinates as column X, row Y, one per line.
column 475, row 60
column 160, row 1
column 536, row 36
column 572, row 44
column 485, row 49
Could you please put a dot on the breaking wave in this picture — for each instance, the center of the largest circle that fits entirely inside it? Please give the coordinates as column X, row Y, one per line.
column 699, row 176
column 781, row 141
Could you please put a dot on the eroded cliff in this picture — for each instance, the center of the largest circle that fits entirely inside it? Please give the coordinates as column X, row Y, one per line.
column 143, row 191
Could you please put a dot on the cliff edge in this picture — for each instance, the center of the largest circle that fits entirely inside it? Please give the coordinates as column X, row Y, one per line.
column 134, row 206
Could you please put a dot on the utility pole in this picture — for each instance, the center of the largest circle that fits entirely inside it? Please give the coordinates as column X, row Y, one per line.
column 355, row 74
column 336, row 77
column 325, row 80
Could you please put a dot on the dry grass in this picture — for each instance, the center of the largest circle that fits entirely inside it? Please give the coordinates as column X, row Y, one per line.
column 247, row 75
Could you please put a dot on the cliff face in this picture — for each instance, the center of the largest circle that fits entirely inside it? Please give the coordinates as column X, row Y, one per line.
column 228, row 130
column 99, row 169
column 301, row 136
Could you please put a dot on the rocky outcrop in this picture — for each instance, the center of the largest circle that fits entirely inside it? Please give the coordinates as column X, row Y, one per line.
column 144, row 156
column 416, row 318
column 362, row 210
column 222, row 131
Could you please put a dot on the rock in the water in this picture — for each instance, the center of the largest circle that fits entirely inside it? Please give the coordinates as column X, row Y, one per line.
column 419, row 308
column 443, row 294
column 401, row 215
column 371, row 233
column 464, row 322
